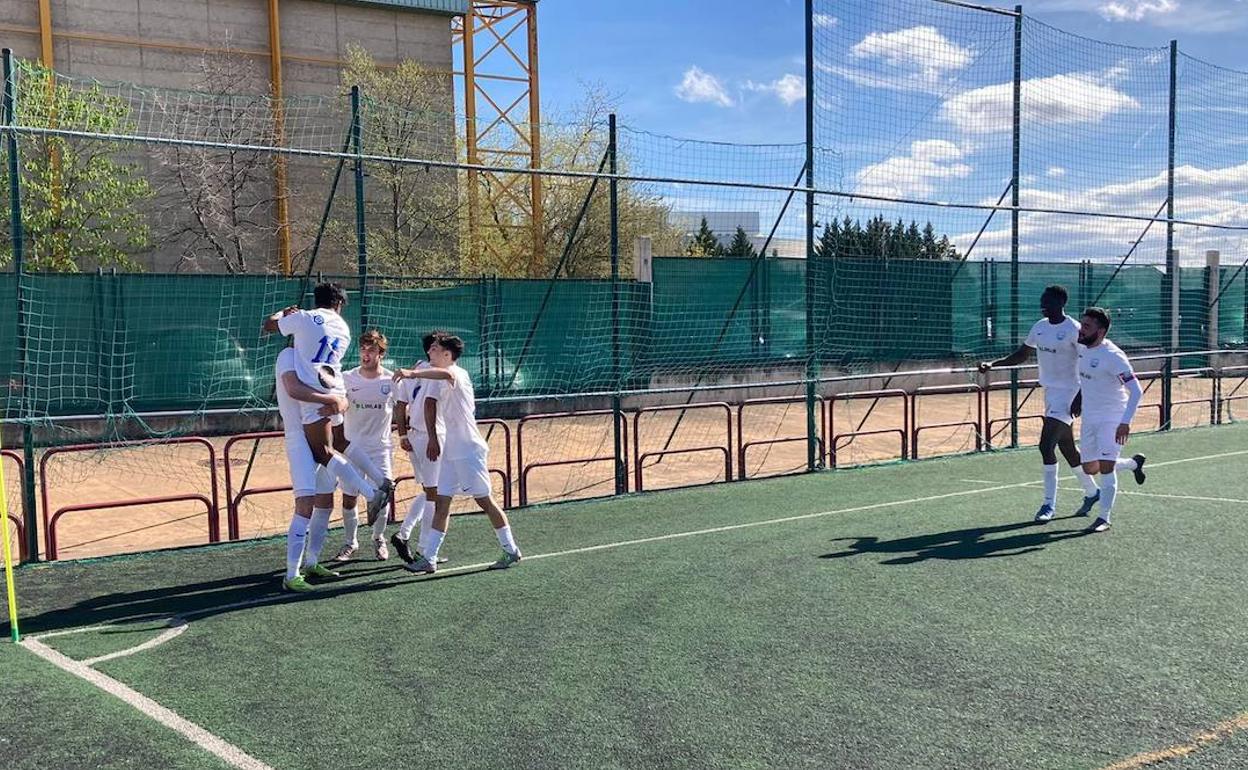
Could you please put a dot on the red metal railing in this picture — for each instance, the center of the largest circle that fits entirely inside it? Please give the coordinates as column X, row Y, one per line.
column 834, row 443
column 18, row 519
column 529, row 420
column 744, row 446
column 51, row 517
column 945, row 390
column 639, row 458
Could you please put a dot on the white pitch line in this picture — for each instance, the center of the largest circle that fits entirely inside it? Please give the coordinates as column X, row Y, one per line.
column 1186, row 497
column 228, row 752
column 176, row 627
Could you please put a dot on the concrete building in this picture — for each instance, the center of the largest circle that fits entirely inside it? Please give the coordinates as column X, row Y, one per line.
column 294, row 47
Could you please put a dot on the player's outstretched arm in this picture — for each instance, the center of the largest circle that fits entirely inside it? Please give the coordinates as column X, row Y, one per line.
column 300, row 392
column 1014, row 359
column 270, row 323
column 430, row 373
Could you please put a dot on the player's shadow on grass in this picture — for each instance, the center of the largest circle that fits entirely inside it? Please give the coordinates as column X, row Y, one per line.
column 971, row 543
column 71, row 604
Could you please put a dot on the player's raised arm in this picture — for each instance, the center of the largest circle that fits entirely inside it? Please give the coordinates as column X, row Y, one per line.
column 272, row 323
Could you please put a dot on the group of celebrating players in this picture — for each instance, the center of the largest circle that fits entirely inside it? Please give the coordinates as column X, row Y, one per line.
column 338, row 428
column 1084, row 375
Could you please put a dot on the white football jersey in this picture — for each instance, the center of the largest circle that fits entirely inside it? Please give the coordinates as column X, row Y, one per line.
column 321, row 340
column 415, row 393
column 1057, row 352
column 371, row 409
column 1104, row 372
column 458, row 402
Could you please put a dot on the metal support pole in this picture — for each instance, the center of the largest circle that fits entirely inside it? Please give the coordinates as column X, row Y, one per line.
column 361, row 247
column 617, row 413
column 813, row 458
column 19, row 273
column 1015, row 331
column 1170, row 286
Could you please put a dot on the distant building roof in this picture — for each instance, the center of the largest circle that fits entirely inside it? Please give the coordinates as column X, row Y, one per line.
column 449, row 7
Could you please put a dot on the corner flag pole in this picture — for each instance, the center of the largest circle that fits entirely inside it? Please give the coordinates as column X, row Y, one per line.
column 8, row 553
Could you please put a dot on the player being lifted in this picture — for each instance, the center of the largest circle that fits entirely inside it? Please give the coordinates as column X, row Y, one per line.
column 312, row 484
column 419, row 418
column 367, row 427
column 464, row 468
column 321, row 338
column 1055, row 339
column 1111, row 394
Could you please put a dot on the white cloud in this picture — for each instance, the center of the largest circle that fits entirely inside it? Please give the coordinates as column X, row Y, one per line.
column 1136, row 10
column 1059, row 99
column 701, row 86
column 920, row 50
column 913, row 175
column 1055, row 172
column 825, row 21
column 789, row 89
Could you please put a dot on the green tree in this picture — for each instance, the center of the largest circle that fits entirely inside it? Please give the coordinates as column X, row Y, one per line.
column 412, row 213
column 741, row 246
column 829, row 243
column 81, row 205
column 704, row 243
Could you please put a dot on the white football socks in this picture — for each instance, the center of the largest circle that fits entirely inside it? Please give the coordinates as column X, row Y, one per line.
column 296, row 536
column 318, row 531
column 1050, row 484
column 350, row 526
column 1109, row 490
column 1089, row 483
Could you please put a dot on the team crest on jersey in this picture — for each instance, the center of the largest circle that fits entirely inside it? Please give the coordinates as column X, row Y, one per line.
column 1094, row 363
column 385, row 389
column 1061, row 336
column 319, row 319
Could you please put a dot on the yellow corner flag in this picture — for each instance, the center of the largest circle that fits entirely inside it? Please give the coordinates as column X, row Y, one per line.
column 8, row 552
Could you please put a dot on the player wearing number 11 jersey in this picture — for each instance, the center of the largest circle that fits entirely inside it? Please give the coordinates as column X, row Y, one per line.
column 321, row 338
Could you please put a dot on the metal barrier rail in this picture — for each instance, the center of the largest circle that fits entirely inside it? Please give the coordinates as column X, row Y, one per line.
column 743, row 446
column 639, row 458
column 904, row 431
column 232, row 500
column 530, row 419
column 18, row 520
column 50, row 518
column 941, row 390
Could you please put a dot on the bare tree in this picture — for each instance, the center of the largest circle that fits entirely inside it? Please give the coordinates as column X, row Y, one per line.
column 219, row 201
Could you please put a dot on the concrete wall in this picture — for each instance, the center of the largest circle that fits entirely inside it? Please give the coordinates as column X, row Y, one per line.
column 162, row 43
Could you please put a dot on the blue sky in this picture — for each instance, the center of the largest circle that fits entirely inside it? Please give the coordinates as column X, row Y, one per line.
column 642, row 50
column 914, row 102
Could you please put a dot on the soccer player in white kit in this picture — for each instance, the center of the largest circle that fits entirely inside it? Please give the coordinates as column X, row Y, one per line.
column 367, row 425
column 465, row 470
column 321, row 338
column 1111, row 394
column 418, row 415
column 1055, row 339
column 312, row 484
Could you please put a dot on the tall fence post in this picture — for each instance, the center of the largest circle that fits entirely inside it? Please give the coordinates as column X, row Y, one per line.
column 1213, row 290
column 812, row 366
column 19, row 274
column 361, row 246
column 1015, row 331
column 617, row 412
column 1170, row 284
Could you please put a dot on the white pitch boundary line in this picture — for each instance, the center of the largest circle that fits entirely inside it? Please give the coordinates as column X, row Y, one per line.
column 176, row 627
column 228, row 752
column 236, row 757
